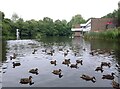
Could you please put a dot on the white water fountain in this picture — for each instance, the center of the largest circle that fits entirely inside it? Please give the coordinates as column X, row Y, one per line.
column 17, row 34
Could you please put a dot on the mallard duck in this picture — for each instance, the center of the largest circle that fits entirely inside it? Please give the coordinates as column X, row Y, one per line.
column 34, row 51
column 26, row 80
column 99, row 69
column 34, row 71
column 53, row 62
column 115, row 85
column 16, row 64
column 67, row 60
column 57, row 72
column 65, row 53
column 66, row 63
column 74, row 66
column 92, row 53
column 79, row 61
column 13, row 57
column 88, row 78
column 108, row 76
column 105, row 64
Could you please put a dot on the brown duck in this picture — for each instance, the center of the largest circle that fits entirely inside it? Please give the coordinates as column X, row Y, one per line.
column 34, row 71
column 108, row 76
column 57, row 72
column 105, row 64
column 99, row 69
column 79, row 62
column 53, row 62
column 74, row 66
column 88, row 78
column 115, row 85
column 26, row 80
column 16, row 64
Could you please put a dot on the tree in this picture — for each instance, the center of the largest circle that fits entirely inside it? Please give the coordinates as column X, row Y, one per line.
column 14, row 17
column 77, row 19
column 2, row 15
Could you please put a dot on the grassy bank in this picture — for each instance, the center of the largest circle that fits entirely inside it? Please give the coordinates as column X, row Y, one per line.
column 113, row 34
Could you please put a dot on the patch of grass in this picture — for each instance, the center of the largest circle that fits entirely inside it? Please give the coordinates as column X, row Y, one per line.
column 111, row 34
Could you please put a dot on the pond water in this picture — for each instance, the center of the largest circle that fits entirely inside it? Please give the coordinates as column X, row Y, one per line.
column 79, row 49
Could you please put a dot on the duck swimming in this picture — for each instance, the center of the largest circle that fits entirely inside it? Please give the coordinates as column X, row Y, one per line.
column 57, row 72
column 26, row 80
column 53, row 62
column 16, row 64
column 34, row 71
column 115, row 85
column 99, row 69
column 74, row 66
column 108, row 76
column 79, row 62
column 105, row 64
column 88, row 78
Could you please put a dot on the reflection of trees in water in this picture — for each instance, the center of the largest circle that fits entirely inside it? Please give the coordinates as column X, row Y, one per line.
column 107, row 46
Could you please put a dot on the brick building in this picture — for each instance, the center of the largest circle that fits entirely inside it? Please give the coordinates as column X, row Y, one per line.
column 95, row 25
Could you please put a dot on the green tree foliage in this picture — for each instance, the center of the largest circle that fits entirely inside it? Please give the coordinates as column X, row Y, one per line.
column 33, row 28
column 114, row 14
column 77, row 19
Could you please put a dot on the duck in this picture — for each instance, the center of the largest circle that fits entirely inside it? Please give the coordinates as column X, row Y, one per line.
column 34, row 51
column 88, row 78
column 53, row 62
column 26, row 80
column 60, row 49
column 65, row 54
column 74, row 66
column 92, row 53
column 34, row 71
column 66, row 62
column 49, row 52
column 99, row 69
column 105, row 64
column 79, row 61
column 13, row 57
column 108, row 76
column 75, row 54
column 115, row 84
column 16, row 64
column 57, row 72
column 84, row 49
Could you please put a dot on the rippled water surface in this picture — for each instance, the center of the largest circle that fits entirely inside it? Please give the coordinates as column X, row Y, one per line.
column 103, row 52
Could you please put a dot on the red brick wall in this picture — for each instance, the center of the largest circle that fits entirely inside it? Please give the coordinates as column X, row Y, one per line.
column 99, row 24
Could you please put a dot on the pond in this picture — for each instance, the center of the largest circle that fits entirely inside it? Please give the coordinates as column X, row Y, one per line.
column 39, row 54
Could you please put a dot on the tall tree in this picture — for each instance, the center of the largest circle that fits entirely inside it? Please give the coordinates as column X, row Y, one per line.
column 14, row 17
column 77, row 19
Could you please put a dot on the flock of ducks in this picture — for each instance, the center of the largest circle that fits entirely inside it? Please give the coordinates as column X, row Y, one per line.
column 69, row 64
